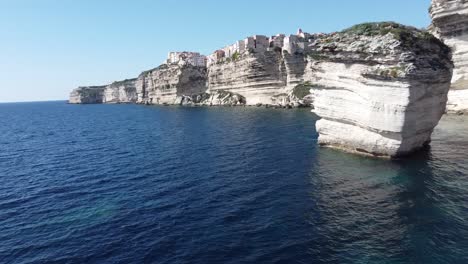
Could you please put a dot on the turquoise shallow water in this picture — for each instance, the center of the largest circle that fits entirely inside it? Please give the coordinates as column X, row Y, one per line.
column 136, row 184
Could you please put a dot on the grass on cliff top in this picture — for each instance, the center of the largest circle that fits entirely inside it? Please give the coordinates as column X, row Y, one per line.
column 378, row 29
column 160, row 67
column 123, row 81
column 408, row 36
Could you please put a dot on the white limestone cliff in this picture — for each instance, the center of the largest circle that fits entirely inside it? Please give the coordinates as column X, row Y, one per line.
column 262, row 77
column 167, row 83
column 117, row 92
column 450, row 23
column 380, row 89
column 87, row 95
column 121, row 92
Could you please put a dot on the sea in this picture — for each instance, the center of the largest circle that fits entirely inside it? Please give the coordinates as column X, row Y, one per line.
column 165, row 184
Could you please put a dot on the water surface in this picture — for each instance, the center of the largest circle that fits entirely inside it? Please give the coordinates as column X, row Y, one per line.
column 137, row 184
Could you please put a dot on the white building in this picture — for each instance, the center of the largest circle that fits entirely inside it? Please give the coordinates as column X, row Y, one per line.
column 215, row 57
column 239, row 46
column 257, row 43
column 182, row 58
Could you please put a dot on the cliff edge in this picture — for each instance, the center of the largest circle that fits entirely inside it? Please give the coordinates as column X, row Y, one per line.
column 380, row 88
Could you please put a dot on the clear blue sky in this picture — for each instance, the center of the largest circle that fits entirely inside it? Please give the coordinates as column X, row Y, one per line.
column 49, row 47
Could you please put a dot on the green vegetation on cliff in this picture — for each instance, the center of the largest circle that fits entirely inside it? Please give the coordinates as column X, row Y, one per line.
column 302, row 90
column 408, row 36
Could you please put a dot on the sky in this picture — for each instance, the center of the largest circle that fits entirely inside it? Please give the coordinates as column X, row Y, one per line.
column 49, row 47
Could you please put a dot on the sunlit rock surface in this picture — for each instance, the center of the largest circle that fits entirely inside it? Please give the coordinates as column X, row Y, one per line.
column 87, row 95
column 450, row 23
column 379, row 88
column 117, row 92
column 164, row 84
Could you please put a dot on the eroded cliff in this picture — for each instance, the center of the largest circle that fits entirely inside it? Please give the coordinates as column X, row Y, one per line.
column 117, row 92
column 450, row 23
column 167, row 84
column 87, row 95
column 380, row 88
column 268, row 77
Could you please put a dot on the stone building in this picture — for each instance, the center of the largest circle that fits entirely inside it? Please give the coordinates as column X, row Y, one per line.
column 298, row 43
column 257, row 43
column 277, row 41
column 290, row 44
column 182, row 58
column 261, row 43
column 228, row 51
column 215, row 57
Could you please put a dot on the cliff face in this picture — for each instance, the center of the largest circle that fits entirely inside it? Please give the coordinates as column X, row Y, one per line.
column 450, row 23
column 256, row 76
column 121, row 92
column 167, row 84
column 269, row 77
column 380, row 89
column 87, row 95
column 117, row 92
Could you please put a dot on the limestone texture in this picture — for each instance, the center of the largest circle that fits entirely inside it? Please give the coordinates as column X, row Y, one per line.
column 381, row 88
column 117, row 92
column 87, row 95
column 450, row 23
column 167, row 83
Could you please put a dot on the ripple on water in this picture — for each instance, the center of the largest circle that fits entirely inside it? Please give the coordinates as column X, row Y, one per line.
column 224, row 185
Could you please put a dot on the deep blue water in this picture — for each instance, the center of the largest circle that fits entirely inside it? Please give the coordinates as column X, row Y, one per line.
column 140, row 184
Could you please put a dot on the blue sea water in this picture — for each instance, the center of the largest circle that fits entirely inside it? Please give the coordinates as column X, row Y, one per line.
column 144, row 184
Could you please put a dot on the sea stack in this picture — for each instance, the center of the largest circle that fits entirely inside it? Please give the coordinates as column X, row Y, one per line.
column 450, row 23
column 379, row 88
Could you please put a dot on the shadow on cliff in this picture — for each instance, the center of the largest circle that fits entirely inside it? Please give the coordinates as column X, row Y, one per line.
column 427, row 103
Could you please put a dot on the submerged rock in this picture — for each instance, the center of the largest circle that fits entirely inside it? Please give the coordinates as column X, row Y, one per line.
column 450, row 23
column 380, row 88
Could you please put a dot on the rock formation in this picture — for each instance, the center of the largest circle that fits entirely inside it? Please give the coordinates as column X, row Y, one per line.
column 450, row 23
column 380, row 88
column 269, row 77
column 257, row 76
column 168, row 83
column 87, row 95
column 117, row 92
column 121, row 92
